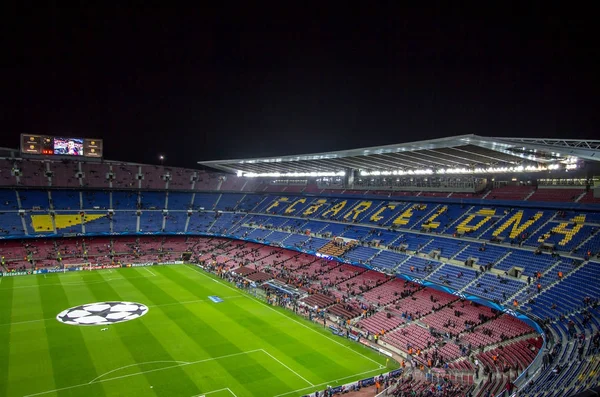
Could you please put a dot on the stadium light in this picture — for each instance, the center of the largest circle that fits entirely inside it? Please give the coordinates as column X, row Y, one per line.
column 291, row 174
column 417, row 172
column 397, row 172
column 468, row 171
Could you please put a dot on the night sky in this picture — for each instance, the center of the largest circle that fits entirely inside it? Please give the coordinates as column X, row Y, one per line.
column 246, row 82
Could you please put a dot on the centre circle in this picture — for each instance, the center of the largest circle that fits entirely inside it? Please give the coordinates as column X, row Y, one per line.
column 102, row 313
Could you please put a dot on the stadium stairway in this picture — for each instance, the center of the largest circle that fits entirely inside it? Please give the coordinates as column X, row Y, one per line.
column 587, row 240
column 474, row 281
column 458, row 253
column 486, row 194
column 522, row 293
column 529, row 196
column 458, row 221
column 582, row 195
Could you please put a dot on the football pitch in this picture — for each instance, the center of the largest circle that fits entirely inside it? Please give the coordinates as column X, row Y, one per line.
column 185, row 344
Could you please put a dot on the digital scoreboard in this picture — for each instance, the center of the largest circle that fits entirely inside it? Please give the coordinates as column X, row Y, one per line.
column 60, row 146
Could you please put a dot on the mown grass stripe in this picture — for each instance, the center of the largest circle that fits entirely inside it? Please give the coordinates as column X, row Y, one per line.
column 27, row 340
column 6, row 307
column 143, row 347
column 71, row 360
column 246, row 371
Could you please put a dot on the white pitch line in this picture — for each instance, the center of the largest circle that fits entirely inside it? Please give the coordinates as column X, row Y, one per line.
column 27, row 322
column 75, row 283
column 329, row 382
column 194, row 301
column 133, row 365
column 216, row 391
column 149, row 271
column 288, row 368
column 232, row 393
column 289, row 318
column 209, row 392
column 143, row 372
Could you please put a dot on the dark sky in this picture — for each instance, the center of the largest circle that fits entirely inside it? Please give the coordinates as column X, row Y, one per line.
column 245, row 82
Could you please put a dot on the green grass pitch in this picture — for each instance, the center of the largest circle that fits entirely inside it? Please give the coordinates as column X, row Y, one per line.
column 184, row 346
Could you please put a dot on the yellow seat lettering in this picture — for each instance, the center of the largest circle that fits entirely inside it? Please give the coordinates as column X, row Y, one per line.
column 336, row 208
column 431, row 223
column 276, row 203
column 358, row 209
column 517, row 227
column 291, row 208
column 315, row 207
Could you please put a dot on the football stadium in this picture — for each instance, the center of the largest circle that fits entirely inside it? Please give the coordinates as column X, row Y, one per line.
column 461, row 266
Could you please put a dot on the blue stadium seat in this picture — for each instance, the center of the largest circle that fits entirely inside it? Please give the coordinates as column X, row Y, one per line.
column 65, row 200
column 153, row 200
column 179, row 201
column 125, row 200
column 34, row 198
column 125, row 221
column 95, row 200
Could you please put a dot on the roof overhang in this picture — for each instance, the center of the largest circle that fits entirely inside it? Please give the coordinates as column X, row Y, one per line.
column 452, row 153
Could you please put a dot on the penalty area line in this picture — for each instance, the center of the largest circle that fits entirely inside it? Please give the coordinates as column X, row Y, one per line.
column 216, row 391
column 232, row 393
column 134, row 365
column 183, row 364
column 288, row 368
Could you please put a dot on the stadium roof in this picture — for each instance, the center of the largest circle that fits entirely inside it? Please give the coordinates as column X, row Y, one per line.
column 463, row 152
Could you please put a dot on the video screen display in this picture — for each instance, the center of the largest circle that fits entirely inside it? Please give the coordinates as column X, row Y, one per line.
column 68, row 146
column 61, row 146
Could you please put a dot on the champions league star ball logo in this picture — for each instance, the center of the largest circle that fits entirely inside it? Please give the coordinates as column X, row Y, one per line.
column 102, row 313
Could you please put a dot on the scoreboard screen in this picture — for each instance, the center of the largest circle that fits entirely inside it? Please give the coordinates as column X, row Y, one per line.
column 61, row 146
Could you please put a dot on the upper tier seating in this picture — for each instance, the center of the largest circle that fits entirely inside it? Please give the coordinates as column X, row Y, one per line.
column 548, row 194
column 589, row 198
column 510, row 193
